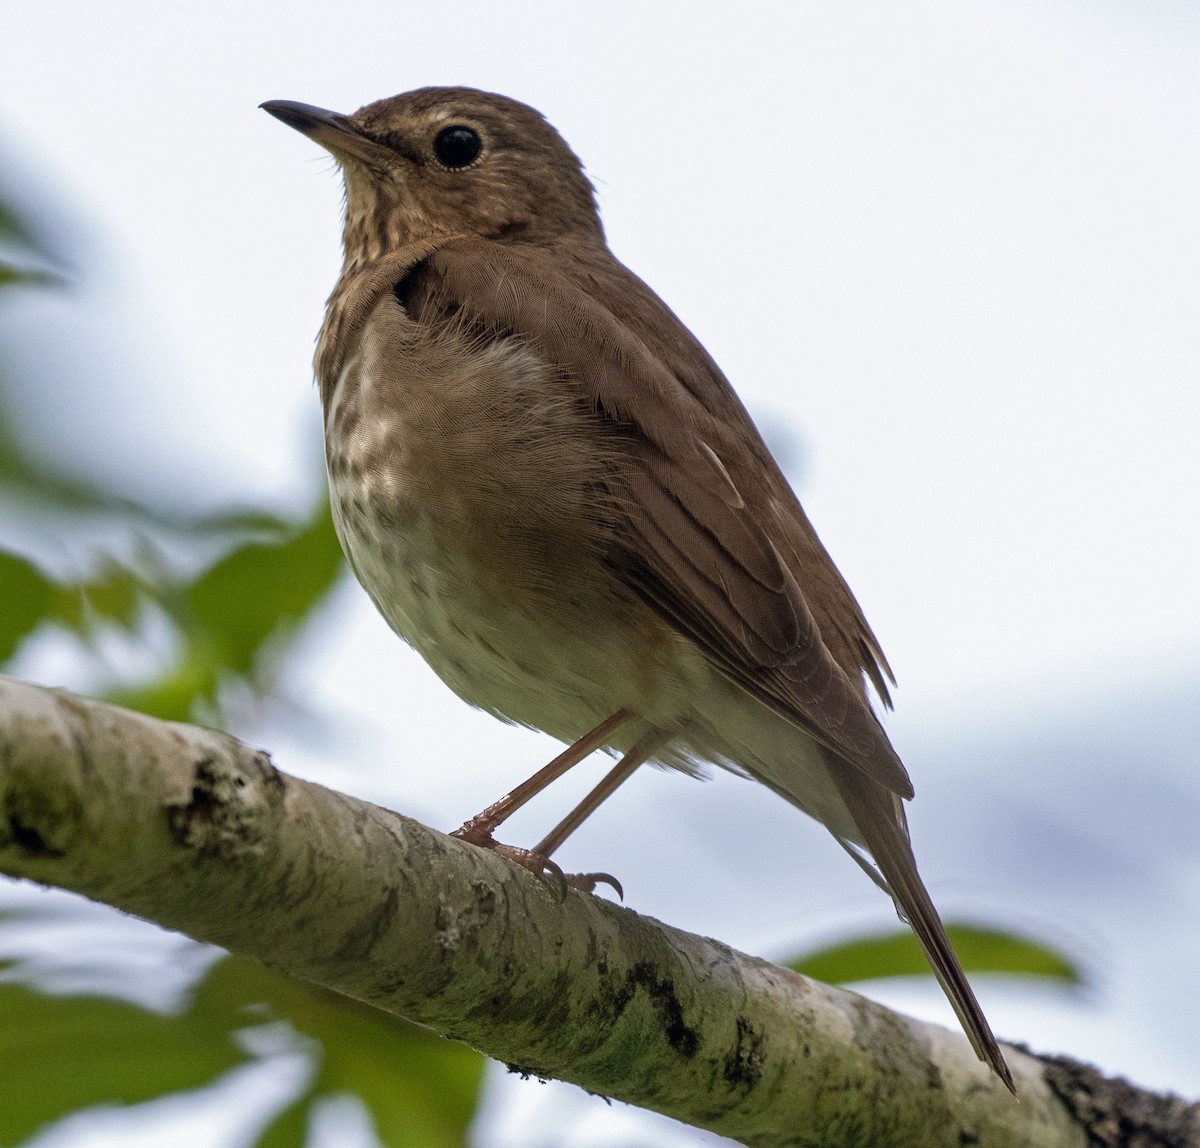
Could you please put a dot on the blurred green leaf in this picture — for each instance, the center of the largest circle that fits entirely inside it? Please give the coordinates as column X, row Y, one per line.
column 232, row 620
column 62, row 1054
column 418, row 1087
column 27, row 598
column 25, row 259
column 897, row 954
column 289, row 1128
column 14, row 228
column 260, row 587
column 113, row 594
column 173, row 695
column 11, row 276
column 238, row 520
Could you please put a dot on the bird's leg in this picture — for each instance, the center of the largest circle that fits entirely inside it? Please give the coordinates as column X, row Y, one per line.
column 479, row 829
column 642, row 750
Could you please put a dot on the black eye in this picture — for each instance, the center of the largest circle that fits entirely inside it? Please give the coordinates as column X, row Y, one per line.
column 457, row 146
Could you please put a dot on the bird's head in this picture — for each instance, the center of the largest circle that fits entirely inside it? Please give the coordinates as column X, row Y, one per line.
column 440, row 161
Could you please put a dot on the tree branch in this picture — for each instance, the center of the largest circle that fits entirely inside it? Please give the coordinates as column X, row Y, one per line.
column 198, row 832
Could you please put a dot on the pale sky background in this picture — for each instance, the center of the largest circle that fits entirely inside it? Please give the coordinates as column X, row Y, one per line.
column 947, row 252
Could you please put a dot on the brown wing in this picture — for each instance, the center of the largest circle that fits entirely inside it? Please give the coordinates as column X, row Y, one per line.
column 712, row 537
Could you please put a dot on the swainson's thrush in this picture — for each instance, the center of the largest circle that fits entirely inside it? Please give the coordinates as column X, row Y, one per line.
column 548, row 487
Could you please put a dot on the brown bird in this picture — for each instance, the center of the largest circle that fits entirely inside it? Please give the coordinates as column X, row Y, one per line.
column 549, row 488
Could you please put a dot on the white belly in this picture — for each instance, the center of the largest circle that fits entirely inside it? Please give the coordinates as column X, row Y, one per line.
column 561, row 673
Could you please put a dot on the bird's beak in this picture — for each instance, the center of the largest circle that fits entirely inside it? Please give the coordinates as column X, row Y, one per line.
column 331, row 130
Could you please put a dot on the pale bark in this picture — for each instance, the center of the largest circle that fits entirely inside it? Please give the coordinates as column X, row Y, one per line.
column 198, row 832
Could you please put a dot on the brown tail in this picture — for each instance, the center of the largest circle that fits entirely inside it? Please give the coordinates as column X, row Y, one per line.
column 879, row 816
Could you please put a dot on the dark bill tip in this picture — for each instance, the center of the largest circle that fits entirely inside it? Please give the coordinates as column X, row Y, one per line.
column 333, row 131
column 304, row 117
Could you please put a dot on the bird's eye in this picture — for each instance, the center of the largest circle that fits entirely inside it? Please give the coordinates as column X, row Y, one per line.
column 457, row 146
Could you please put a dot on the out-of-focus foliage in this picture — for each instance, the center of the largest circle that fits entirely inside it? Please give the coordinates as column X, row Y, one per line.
column 430, row 1101
column 28, row 597
column 230, row 620
column 65, row 1053
column 239, row 587
column 897, row 954
column 22, row 258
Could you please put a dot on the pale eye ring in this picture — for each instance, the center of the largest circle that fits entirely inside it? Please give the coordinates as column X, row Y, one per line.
column 457, row 146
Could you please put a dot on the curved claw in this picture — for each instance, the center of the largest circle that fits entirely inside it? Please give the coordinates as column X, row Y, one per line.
column 536, row 863
column 587, row 882
column 551, row 872
column 540, row 865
